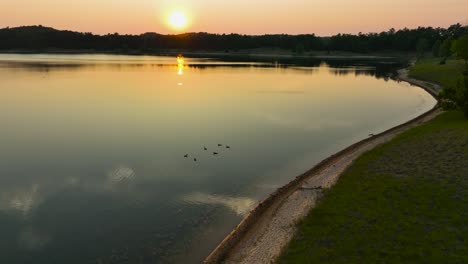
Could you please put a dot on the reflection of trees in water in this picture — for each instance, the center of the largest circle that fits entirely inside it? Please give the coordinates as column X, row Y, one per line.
column 374, row 72
column 340, row 67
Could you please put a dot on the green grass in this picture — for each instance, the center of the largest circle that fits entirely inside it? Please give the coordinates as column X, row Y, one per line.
column 403, row 202
column 430, row 70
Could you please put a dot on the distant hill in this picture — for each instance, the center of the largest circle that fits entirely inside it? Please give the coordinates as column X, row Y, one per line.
column 39, row 38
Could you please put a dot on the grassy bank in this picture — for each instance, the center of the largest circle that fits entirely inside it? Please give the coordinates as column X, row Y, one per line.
column 430, row 70
column 403, row 202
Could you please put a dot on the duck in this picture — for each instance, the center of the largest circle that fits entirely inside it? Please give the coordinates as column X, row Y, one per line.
column 220, row 145
column 205, row 148
column 186, row 156
column 228, row 147
column 195, row 159
column 215, row 153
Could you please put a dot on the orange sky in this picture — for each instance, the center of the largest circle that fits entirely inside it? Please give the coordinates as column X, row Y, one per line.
column 323, row 17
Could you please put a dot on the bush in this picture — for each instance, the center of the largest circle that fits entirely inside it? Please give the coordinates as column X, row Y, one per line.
column 456, row 97
column 443, row 61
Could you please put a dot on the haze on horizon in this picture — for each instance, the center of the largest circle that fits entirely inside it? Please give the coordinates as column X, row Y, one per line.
column 322, row 17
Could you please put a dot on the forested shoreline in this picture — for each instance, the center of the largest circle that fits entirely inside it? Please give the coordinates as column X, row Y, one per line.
column 422, row 39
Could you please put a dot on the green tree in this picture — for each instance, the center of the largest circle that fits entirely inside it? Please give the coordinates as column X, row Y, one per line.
column 457, row 97
column 299, row 49
column 422, row 47
column 460, row 47
column 445, row 50
column 436, row 48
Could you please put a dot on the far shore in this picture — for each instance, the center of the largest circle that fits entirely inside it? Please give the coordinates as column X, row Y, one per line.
column 265, row 231
column 238, row 54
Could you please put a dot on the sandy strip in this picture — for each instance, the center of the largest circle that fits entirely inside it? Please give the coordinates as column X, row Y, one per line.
column 267, row 230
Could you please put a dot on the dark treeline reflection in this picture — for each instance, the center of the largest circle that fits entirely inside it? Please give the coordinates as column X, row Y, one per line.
column 404, row 40
column 374, row 68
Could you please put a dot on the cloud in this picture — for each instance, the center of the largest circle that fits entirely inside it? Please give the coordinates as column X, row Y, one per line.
column 240, row 205
column 120, row 174
column 31, row 239
column 21, row 200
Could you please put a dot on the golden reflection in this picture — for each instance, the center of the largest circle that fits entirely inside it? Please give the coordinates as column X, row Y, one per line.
column 180, row 65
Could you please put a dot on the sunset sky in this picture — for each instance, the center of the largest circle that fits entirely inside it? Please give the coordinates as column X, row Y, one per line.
column 323, row 17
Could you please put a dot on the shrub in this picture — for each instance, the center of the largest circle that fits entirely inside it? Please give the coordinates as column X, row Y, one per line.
column 456, row 97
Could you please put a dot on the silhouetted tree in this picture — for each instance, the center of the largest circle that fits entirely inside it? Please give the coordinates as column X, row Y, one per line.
column 422, row 47
column 445, row 47
column 39, row 38
column 460, row 47
column 436, row 48
column 299, row 48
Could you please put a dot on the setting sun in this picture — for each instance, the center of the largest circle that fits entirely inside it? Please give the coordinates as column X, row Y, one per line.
column 178, row 20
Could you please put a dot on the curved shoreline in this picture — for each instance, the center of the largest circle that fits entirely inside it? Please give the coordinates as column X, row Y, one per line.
column 263, row 233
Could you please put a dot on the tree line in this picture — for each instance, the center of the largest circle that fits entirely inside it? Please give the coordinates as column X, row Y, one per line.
column 420, row 40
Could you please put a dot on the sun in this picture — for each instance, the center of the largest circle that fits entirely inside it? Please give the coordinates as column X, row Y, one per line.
column 178, row 20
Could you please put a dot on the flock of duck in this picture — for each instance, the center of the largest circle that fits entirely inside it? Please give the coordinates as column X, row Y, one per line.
column 206, row 149
column 227, row 147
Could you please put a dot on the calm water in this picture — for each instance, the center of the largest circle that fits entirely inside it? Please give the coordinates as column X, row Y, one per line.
column 92, row 166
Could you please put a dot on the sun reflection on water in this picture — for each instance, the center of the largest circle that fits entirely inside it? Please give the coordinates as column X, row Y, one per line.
column 180, row 65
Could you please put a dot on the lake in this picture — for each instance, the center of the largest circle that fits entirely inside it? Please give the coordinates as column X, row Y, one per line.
column 92, row 166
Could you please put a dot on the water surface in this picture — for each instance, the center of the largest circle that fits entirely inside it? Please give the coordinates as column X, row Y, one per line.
column 92, row 166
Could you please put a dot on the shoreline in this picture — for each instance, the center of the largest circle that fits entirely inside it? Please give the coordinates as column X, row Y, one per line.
column 261, row 236
column 241, row 54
